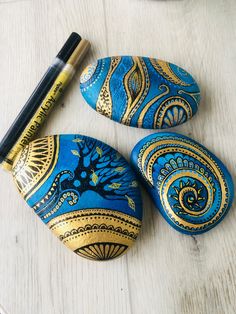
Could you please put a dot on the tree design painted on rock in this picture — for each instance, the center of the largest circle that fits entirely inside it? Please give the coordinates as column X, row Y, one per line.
column 101, row 169
column 94, row 172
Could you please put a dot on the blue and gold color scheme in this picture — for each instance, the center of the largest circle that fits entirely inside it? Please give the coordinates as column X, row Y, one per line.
column 190, row 186
column 84, row 190
column 140, row 92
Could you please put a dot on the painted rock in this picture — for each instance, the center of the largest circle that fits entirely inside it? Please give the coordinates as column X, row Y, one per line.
column 140, row 92
column 190, row 186
column 84, row 190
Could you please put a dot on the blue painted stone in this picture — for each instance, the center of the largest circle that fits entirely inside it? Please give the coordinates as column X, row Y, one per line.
column 190, row 186
column 140, row 92
column 84, row 190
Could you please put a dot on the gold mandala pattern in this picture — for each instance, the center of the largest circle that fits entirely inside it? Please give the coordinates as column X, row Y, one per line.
column 34, row 164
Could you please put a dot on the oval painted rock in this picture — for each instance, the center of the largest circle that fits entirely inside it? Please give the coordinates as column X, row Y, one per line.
column 84, row 191
column 190, row 186
column 140, row 92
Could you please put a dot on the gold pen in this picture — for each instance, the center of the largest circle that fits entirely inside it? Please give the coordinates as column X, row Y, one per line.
column 54, row 94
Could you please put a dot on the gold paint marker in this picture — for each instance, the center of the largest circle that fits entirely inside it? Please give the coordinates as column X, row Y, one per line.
column 48, row 103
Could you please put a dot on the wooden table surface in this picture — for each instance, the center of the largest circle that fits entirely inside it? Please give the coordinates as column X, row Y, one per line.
column 165, row 272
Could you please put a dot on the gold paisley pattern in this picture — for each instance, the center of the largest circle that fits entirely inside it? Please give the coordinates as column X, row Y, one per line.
column 136, row 83
column 132, row 90
column 162, row 114
column 104, row 102
column 97, row 234
column 164, row 69
column 34, row 164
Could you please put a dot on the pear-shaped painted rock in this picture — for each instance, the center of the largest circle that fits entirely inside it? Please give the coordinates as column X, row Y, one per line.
column 190, row 186
column 140, row 91
column 84, row 190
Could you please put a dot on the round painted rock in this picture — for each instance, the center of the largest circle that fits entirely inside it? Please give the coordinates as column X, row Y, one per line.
column 140, row 92
column 190, row 186
column 84, row 190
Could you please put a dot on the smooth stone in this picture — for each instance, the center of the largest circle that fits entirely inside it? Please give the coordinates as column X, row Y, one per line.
column 190, row 186
column 84, row 191
column 140, row 91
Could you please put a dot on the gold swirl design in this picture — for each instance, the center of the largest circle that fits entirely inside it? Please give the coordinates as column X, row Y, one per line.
column 51, row 190
column 194, row 151
column 136, row 84
column 183, row 223
column 34, row 164
column 90, row 227
column 43, row 207
column 196, row 175
column 194, row 95
column 195, row 193
column 164, row 69
column 104, row 102
column 151, row 102
column 72, row 199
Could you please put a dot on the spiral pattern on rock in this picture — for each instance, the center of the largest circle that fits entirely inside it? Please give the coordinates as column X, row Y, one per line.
column 190, row 186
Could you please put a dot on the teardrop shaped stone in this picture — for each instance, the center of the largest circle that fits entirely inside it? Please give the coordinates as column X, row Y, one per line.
column 84, row 191
column 140, row 92
column 189, row 185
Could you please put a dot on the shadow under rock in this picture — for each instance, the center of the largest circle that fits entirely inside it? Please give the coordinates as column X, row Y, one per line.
column 149, row 216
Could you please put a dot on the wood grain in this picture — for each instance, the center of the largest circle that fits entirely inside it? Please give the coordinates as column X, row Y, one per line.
column 165, row 272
